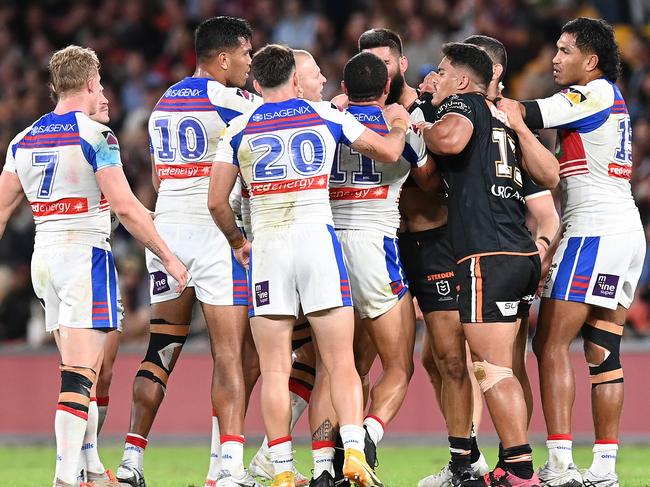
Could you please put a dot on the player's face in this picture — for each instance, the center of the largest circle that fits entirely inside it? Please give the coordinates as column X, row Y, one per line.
column 101, row 113
column 240, row 63
column 569, row 63
column 444, row 82
column 310, row 78
column 395, row 71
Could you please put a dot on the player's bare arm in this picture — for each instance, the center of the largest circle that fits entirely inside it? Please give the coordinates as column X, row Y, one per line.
column 222, row 180
column 11, row 194
column 137, row 220
column 449, row 135
column 427, row 177
column 155, row 180
column 538, row 161
column 387, row 148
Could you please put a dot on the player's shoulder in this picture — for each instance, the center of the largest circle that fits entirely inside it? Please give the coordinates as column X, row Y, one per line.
column 461, row 103
column 94, row 132
column 599, row 91
column 231, row 97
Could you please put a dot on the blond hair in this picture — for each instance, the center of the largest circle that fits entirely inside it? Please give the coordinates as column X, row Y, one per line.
column 71, row 67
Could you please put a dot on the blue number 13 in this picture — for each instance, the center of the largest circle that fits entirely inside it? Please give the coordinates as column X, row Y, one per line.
column 48, row 161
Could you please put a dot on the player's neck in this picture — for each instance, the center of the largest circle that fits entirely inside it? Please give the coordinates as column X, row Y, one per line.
column 281, row 93
column 588, row 77
column 409, row 95
column 73, row 103
column 376, row 103
column 205, row 72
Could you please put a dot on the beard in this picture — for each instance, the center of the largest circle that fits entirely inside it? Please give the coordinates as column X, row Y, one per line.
column 396, row 88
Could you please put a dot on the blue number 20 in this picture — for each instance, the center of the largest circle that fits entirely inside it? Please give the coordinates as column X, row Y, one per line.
column 48, row 161
column 306, row 153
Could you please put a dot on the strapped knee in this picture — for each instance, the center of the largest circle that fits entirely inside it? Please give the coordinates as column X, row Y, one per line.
column 302, row 379
column 165, row 338
column 488, row 375
column 301, row 335
column 607, row 336
column 76, row 383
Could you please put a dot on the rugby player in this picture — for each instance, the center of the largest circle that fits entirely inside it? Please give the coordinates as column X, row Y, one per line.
column 426, row 254
column 539, row 203
column 477, row 147
column 184, row 130
column 285, row 150
column 598, row 262
column 71, row 203
column 303, row 368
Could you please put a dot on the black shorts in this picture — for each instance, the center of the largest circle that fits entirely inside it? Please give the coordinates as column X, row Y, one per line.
column 429, row 265
column 493, row 287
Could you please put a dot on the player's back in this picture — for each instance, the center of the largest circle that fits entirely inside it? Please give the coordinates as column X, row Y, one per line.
column 486, row 201
column 184, row 129
column 364, row 193
column 285, row 152
column 56, row 159
column 595, row 153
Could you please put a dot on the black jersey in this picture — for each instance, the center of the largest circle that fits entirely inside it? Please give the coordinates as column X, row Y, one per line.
column 486, row 186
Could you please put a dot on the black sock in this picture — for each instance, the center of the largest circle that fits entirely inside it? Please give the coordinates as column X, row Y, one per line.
column 476, row 453
column 519, row 460
column 460, row 449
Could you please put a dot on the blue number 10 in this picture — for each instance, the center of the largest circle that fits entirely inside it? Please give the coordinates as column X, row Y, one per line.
column 48, row 161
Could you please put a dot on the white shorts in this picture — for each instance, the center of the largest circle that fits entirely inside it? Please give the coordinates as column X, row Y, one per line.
column 77, row 286
column 602, row 271
column 215, row 275
column 294, row 266
column 377, row 278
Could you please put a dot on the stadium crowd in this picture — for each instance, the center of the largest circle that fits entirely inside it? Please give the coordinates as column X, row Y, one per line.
column 145, row 45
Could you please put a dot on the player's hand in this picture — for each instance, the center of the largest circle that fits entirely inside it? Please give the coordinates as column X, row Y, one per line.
column 178, row 271
column 546, row 258
column 512, row 109
column 395, row 112
column 427, row 83
column 423, row 125
column 243, row 254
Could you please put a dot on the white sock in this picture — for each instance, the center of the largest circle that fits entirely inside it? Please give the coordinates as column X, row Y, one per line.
column 375, row 428
column 134, row 447
column 281, row 454
column 89, row 448
column 215, row 449
column 323, row 455
column 265, row 447
column 560, row 454
column 69, row 427
column 298, row 405
column 604, row 458
column 232, row 453
column 102, row 407
column 353, row 436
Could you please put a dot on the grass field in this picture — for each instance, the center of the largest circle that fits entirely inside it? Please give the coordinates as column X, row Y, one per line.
column 186, row 466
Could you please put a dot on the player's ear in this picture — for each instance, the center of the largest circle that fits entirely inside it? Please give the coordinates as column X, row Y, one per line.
column 222, row 60
column 344, row 88
column 463, row 81
column 387, row 87
column 497, row 71
column 403, row 64
column 591, row 62
column 257, row 86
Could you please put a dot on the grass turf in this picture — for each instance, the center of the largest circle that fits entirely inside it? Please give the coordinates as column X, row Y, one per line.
column 186, row 466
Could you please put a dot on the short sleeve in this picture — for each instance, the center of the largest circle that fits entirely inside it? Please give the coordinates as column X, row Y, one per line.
column 415, row 149
column 10, row 160
column 582, row 108
column 457, row 105
column 531, row 189
column 99, row 144
column 228, row 147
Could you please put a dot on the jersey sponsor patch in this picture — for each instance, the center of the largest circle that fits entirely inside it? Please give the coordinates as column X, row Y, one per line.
column 245, row 94
column 65, row 206
column 453, row 104
column 573, row 96
column 619, row 171
column 378, row 193
column 605, row 286
column 184, row 171
column 111, row 140
column 289, row 186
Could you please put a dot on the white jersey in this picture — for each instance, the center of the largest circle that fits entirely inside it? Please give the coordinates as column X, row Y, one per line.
column 184, row 129
column 595, row 154
column 56, row 159
column 285, row 153
column 365, row 193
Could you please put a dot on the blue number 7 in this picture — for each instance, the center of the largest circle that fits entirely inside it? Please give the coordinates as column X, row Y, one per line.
column 48, row 161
